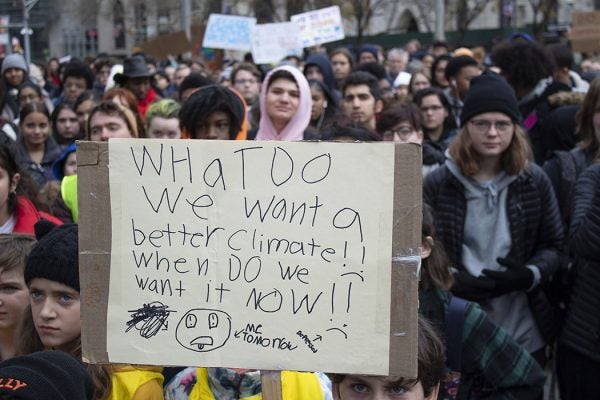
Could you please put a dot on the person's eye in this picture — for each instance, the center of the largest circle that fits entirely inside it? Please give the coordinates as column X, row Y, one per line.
column 65, row 298
column 8, row 289
column 503, row 125
column 398, row 390
column 360, row 388
column 35, row 294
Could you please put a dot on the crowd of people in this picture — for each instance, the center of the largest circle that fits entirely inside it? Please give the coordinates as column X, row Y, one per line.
column 509, row 292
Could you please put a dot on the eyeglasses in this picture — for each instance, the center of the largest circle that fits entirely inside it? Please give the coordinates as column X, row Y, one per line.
column 483, row 125
column 244, row 81
column 402, row 132
column 431, row 108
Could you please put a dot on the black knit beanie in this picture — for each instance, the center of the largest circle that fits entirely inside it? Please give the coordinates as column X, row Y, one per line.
column 56, row 254
column 46, row 375
column 489, row 92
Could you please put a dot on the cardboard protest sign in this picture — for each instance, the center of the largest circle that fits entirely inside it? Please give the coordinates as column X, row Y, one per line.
column 585, row 34
column 320, row 26
column 228, row 32
column 266, row 255
column 273, row 42
column 165, row 45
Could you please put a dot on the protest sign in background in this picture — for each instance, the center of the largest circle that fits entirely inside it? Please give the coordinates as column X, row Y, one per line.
column 273, row 42
column 319, row 26
column 267, row 255
column 228, row 32
column 585, row 34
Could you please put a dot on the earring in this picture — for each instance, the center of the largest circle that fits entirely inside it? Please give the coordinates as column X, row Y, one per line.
column 325, row 104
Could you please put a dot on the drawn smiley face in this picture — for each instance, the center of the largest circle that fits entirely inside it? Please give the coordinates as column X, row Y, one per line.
column 203, row 329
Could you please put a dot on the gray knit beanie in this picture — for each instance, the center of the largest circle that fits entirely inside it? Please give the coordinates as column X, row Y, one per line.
column 14, row 61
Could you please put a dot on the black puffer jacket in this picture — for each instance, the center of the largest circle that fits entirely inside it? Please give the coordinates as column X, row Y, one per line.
column 581, row 331
column 535, row 226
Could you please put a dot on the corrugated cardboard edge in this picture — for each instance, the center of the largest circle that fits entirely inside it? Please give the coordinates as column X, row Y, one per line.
column 93, row 196
column 95, row 247
column 406, row 243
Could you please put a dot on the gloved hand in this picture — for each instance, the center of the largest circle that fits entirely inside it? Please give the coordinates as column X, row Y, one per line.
column 516, row 278
column 472, row 288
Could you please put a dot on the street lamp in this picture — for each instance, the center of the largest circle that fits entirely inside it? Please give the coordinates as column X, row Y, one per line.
column 26, row 31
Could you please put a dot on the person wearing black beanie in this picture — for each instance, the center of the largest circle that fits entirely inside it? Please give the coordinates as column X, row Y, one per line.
column 52, row 275
column 45, row 375
column 497, row 216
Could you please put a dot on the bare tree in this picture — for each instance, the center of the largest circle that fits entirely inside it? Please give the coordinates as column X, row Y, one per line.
column 264, row 11
column 548, row 11
column 466, row 11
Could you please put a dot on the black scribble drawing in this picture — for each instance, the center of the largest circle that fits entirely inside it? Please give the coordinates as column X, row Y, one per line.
column 203, row 330
column 149, row 319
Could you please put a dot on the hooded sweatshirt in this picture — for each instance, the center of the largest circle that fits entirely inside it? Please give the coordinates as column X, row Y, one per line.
column 487, row 237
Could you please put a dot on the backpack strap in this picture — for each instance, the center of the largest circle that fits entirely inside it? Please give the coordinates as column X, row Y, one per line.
column 455, row 319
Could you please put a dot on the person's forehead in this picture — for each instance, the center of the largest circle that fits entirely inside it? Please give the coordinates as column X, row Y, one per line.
column 218, row 116
column 431, row 99
column 138, row 80
column 284, row 83
column 75, row 79
column 101, row 118
column 357, row 90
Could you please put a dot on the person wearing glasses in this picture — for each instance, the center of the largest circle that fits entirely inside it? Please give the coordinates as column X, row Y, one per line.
column 497, row 216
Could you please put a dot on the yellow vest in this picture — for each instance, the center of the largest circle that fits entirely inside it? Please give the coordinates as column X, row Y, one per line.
column 68, row 191
column 125, row 381
column 294, row 386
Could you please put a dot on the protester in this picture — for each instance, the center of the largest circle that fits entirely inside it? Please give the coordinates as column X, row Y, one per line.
column 387, row 92
column 237, row 383
column 14, row 73
column 361, row 99
column 438, row 125
column 19, row 205
column 324, row 106
column 136, row 78
column 438, row 71
column 459, row 72
column 246, row 79
column 28, row 93
column 397, row 61
column 110, row 120
column 578, row 359
column 430, row 370
column 45, row 375
column 419, row 80
column 342, row 62
column 83, row 105
column 214, row 112
column 77, row 77
column 14, row 296
column 65, row 126
column 162, row 120
column 36, row 148
column 497, row 217
column 285, row 104
column 191, row 83
column 318, row 68
column 514, row 375
column 52, row 276
column 565, row 167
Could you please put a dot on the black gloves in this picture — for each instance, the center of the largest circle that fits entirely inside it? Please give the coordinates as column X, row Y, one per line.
column 469, row 287
column 515, row 278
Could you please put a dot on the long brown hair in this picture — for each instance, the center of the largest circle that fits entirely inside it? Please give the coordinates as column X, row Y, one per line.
column 29, row 342
column 585, row 120
column 513, row 161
